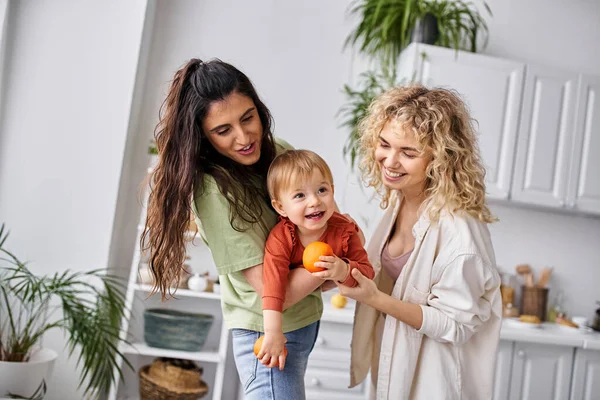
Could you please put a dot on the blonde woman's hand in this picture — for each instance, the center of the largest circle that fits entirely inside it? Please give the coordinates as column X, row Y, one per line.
column 336, row 269
column 365, row 290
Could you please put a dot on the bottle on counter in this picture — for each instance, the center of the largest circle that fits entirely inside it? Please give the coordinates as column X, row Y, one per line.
column 555, row 310
column 596, row 323
column 507, row 290
column 510, row 311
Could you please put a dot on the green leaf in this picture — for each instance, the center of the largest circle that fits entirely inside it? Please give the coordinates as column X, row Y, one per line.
column 91, row 316
column 371, row 84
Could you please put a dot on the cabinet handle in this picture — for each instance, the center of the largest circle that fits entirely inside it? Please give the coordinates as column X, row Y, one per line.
column 520, row 353
column 315, row 382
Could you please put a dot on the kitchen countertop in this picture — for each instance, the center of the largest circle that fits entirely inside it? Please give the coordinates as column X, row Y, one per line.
column 547, row 333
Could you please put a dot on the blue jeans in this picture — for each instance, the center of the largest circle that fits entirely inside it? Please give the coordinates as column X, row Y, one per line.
column 262, row 383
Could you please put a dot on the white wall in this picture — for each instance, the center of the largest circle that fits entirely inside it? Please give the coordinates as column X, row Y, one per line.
column 69, row 76
column 293, row 53
column 556, row 33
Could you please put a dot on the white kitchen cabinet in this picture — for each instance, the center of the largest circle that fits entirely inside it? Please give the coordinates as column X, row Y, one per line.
column 492, row 89
column 586, row 375
column 328, row 373
column 541, row 372
column 504, row 360
column 544, row 142
column 584, row 184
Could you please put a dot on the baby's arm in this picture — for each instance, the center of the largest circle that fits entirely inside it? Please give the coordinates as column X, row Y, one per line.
column 275, row 279
column 272, row 351
column 357, row 257
column 275, row 271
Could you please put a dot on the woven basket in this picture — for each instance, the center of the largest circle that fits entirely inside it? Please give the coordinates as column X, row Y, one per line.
column 176, row 330
column 171, row 379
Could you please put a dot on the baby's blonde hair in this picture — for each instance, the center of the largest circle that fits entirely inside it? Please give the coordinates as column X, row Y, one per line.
column 293, row 167
column 442, row 126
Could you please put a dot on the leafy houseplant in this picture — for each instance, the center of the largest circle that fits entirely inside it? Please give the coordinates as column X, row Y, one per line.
column 460, row 25
column 385, row 26
column 371, row 84
column 92, row 305
column 152, row 149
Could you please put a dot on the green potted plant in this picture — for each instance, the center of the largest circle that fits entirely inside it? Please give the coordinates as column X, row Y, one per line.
column 370, row 85
column 385, row 27
column 152, row 148
column 460, row 25
column 90, row 307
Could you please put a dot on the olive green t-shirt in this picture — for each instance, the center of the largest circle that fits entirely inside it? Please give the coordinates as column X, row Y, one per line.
column 235, row 251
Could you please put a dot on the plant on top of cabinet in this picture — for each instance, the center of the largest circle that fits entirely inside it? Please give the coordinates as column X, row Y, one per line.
column 152, row 148
column 386, row 27
column 371, row 84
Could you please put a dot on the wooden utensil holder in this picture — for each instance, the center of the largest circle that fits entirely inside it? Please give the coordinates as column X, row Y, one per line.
column 534, row 301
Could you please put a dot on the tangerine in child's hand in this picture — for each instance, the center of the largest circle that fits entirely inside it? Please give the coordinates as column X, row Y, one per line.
column 311, row 255
column 258, row 345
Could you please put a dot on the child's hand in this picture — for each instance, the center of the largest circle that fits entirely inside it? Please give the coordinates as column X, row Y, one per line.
column 336, row 268
column 272, row 352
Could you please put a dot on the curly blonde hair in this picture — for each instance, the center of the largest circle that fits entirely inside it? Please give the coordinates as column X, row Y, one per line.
column 442, row 126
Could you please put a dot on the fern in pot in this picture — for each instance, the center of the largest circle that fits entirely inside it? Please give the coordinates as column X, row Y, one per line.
column 86, row 306
column 370, row 85
column 386, row 27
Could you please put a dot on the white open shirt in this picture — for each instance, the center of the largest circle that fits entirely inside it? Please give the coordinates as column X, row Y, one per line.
column 452, row 275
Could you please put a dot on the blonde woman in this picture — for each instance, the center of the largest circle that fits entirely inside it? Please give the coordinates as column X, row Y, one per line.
column 428, row 325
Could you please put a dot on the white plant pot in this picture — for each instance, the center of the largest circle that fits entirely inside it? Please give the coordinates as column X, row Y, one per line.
column 24, row 378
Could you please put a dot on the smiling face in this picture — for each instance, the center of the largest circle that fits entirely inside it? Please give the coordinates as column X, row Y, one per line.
column 308, row 204
column 234, row 129
column 403, row 166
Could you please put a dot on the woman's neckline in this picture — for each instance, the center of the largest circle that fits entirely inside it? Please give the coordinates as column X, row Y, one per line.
column 387, row 251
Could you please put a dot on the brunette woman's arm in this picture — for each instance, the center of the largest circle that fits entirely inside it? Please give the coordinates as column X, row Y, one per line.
column 300, row 284
column 254, row 276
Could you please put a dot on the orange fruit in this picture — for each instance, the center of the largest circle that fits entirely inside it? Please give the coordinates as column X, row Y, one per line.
column 338, row 301
column 311, row 255
column 258, row 345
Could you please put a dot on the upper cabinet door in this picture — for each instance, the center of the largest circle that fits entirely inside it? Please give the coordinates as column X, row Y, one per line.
column 584, row 183
column 545, row 136
column 492, row 90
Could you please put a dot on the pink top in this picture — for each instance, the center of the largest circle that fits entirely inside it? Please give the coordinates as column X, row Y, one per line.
column 393, row 265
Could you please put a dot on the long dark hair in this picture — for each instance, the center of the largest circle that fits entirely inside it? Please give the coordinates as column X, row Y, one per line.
column 185, row 156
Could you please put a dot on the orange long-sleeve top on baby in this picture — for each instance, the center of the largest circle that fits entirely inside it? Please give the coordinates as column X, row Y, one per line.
column 283, row 252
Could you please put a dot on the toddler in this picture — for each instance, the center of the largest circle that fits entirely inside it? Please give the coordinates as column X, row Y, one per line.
column 300, row 185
